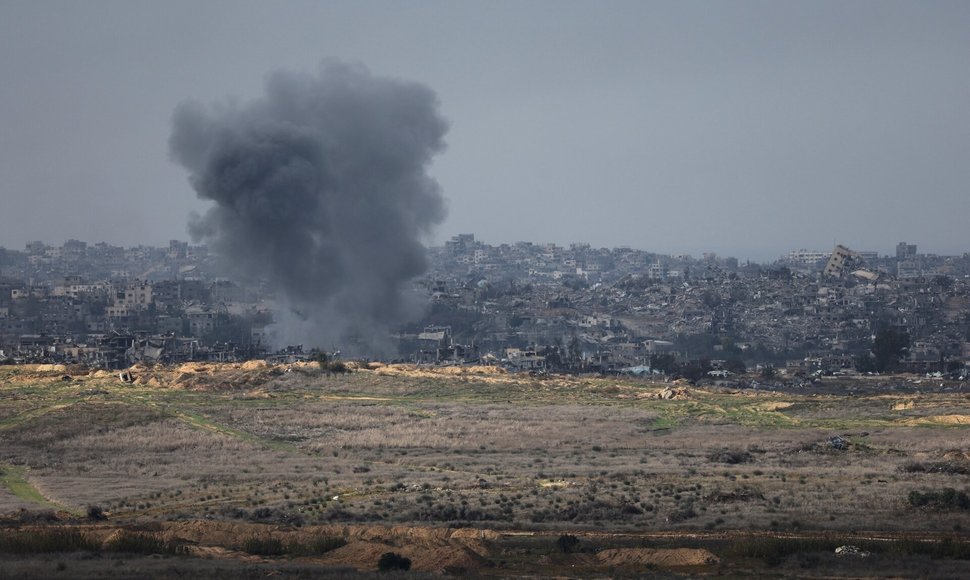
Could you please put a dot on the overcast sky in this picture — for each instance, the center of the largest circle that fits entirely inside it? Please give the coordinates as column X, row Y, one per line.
column 745, row 128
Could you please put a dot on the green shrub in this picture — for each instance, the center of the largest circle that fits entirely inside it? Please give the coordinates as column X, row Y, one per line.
column 947, row 467
column 729, row 456
column 567, row 543
column 258, row 546
column 946, row 548
column 337, row 367
column 142, row 543
column 46, row 541
column 946, row 499
column 96, row 513
column 773, row 550
column 392, row 561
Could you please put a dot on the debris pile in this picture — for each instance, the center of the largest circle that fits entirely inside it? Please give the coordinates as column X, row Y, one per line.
column 669, row 393
column 854, row 551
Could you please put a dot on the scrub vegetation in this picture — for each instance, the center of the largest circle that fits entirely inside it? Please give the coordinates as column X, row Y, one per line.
column 476, row 469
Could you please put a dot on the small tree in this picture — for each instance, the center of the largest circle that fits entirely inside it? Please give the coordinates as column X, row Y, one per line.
column 321, row 358
column 96, row 513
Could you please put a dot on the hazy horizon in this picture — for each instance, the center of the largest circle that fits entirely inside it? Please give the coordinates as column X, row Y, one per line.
column 744, row 128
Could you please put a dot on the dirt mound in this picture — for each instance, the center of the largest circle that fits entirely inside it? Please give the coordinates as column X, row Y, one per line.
column 774, row 406
column 475, row 534
column 455, row 558
column 669, row 393
column 230, row 533
column 226, row 534
column 194, row 367
column 431, row 372
column 956, row 455
column 364, row 555
column 361, row 555
column 473, row 370
column 44, row 368
column 666, row 558
column 201, row 377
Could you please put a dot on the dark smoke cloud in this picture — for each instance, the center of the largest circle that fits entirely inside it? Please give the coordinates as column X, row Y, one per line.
column 321, row 187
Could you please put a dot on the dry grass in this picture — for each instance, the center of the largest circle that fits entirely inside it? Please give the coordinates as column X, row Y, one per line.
column 405, row 445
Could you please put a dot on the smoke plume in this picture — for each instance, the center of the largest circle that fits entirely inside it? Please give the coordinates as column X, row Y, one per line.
column 321, row 187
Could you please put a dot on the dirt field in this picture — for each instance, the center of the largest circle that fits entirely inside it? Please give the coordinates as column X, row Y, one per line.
column 477, row 470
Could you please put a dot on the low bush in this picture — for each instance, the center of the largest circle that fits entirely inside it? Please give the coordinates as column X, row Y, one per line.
column 773, row 550
column 142, row 543
column 947, row 467
column 276, row 515
column 567, row 544
column 37, row 517
column 682, row 513
column 46, row 541
column 263, row 546
column 96, row 513
column 947, row 548
column 946, row 499
column 729, row 456
column 393, row 561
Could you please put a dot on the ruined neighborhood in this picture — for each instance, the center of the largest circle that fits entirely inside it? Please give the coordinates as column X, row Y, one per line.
column 529, row 307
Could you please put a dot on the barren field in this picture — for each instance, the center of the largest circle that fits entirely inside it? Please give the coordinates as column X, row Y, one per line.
column 244, row 470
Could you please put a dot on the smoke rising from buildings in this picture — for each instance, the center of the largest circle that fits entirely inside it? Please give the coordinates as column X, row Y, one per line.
column 321, row 187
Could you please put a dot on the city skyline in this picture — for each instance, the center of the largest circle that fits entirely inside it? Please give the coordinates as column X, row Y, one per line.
column 788, row 253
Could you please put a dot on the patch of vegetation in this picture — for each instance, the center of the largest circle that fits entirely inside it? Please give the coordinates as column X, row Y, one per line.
column 46, row 541
column 263, row 546
column 946, row 499
column 738, row 494
column 773, row 551
column 390, row 561
column 947, row 548
column 15, row 479
column 567, row 544
column 947, row 467
column 141, row 543
column 96, row 513
column 276, row 515
column 682, row 513
column 270, row 546
column 729, row 456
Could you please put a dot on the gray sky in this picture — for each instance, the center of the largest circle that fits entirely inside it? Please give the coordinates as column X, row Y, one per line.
column 745, row 128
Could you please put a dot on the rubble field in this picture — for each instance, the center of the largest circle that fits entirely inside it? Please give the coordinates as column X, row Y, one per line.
column 248, row 469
